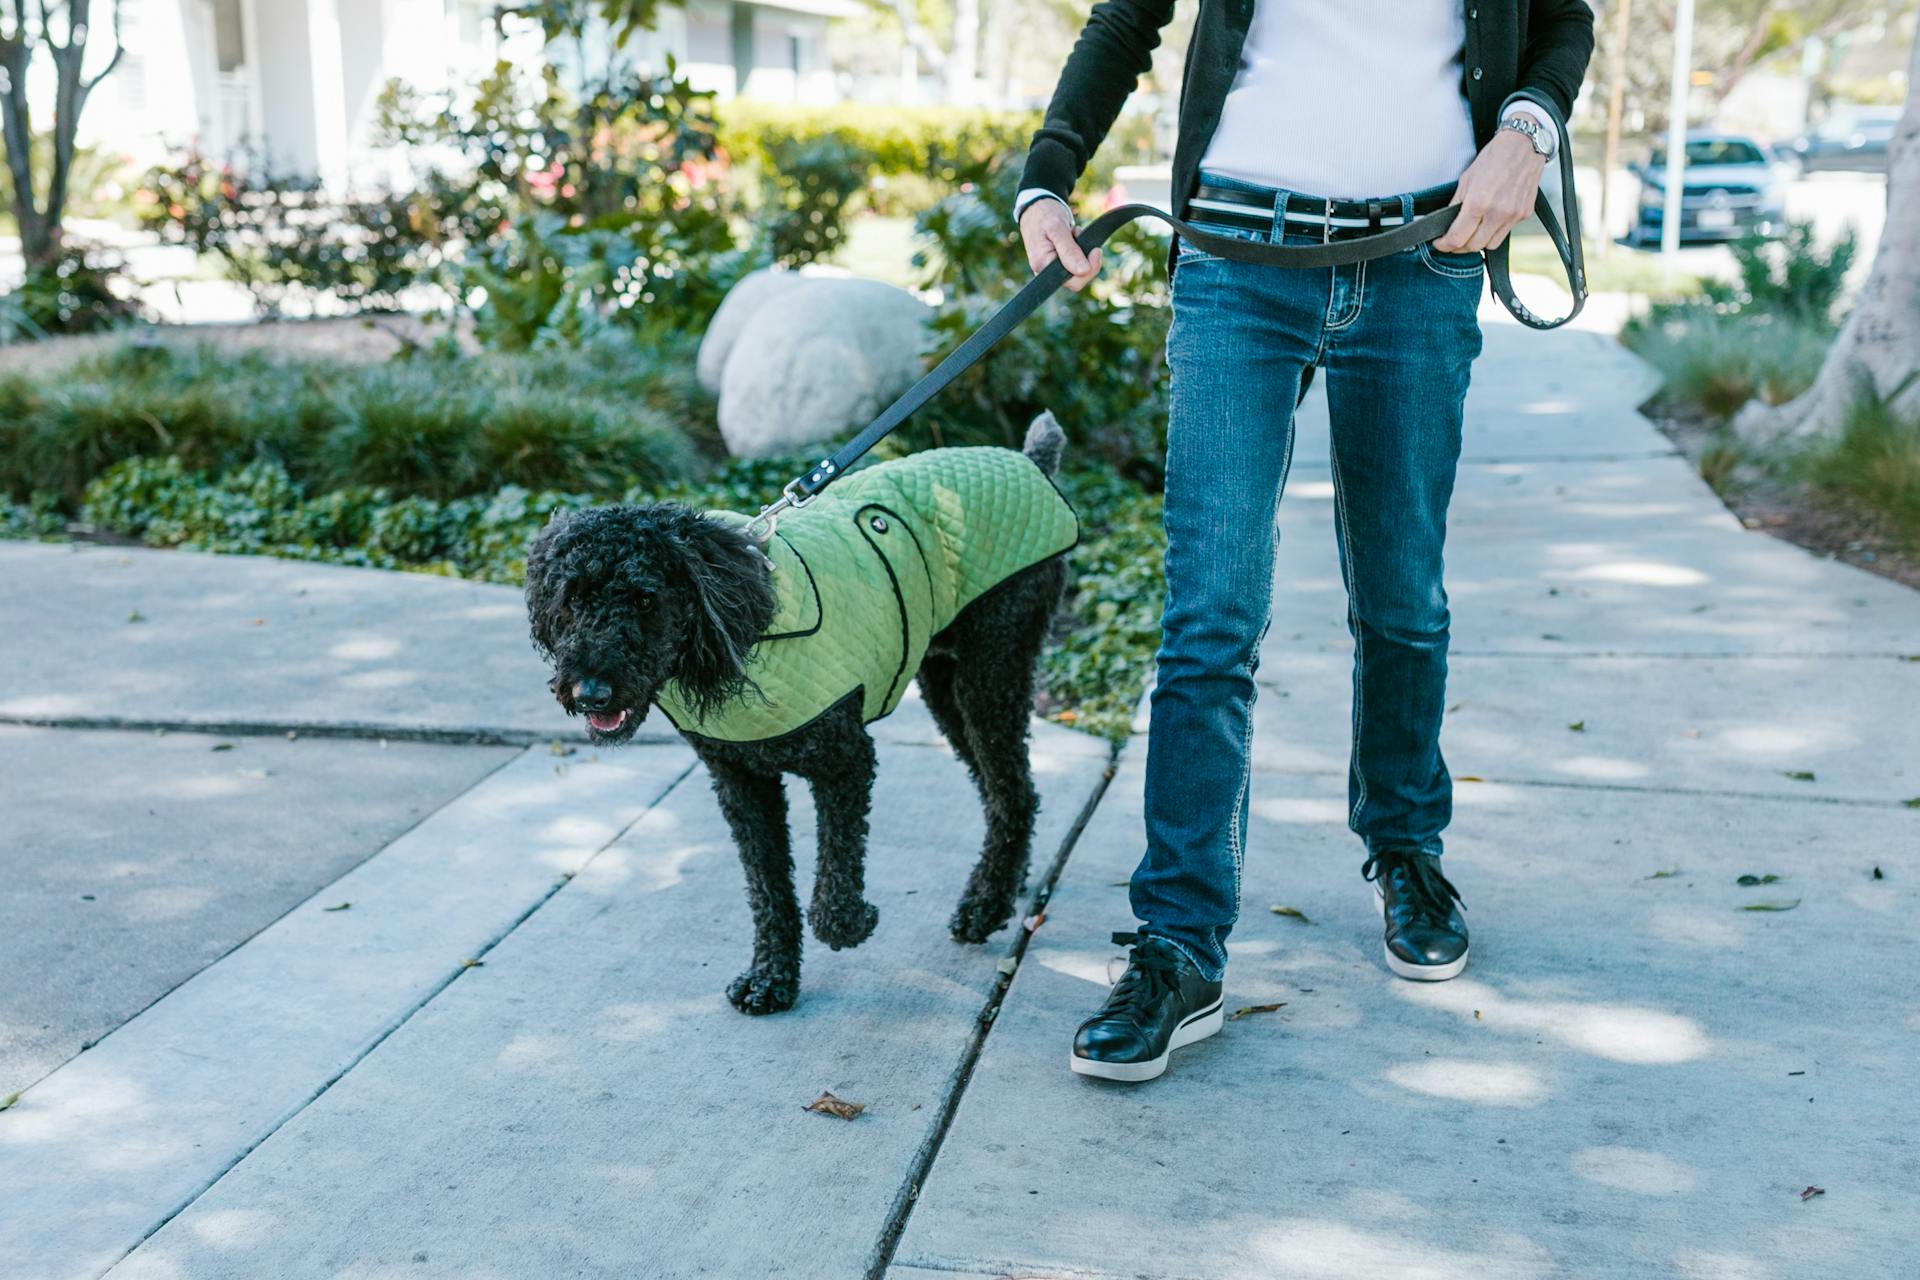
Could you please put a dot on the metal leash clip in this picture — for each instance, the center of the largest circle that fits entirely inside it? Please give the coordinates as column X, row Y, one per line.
column 763, row 524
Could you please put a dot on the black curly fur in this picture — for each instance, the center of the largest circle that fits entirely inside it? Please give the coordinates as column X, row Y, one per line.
column 634, row 596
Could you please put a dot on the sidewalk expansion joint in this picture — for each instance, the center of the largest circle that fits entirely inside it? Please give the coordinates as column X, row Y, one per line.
column 366, row 731
column 404, row 1017
column 1693, row 655
column 1629, row 788
column 922, row 1162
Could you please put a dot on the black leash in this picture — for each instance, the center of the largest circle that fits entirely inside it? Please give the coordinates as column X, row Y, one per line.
column 1428, row 227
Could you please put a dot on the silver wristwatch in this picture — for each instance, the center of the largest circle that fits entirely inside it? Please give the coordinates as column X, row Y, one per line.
column 1539, row 135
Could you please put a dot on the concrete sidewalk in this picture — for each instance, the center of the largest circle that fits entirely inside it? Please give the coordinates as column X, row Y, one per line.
column 1636, row 1076
column 465, row 1019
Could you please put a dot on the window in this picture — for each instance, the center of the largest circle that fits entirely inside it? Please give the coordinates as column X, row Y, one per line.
column 1715, row 151
column 229, row 35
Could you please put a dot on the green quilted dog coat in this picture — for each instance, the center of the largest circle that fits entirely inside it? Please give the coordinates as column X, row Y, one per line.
column 871, row 570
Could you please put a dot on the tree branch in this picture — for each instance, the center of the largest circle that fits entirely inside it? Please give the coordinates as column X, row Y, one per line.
column 923, row 46
column 119, row 52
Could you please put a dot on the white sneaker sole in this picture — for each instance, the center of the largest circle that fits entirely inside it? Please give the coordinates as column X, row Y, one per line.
column 1197, row 1027
column 1417, row 972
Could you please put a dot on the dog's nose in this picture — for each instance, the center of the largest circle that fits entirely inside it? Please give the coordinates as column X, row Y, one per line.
column 592, row 695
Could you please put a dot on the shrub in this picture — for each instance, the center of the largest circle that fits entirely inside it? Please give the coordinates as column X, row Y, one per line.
column 1793, row 278
column 805, row 202
column 1760, row 339
column 280, row 234
column 1095, row 358
column 72, row 294
column 438, row 427
column 1103, row 652
column 1715, row 362
column 1875, row 462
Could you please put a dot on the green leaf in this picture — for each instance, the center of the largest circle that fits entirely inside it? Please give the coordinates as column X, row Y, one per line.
column 338, row 906
column 1668, row 874
column 9, row 1100
column 1912, row 803
column 1578, row 726
column 1747, row 882
column 1798, row 775
column 1771, row 906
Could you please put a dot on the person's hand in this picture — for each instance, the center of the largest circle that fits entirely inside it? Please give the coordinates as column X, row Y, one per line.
column 1495, row 193
column 1046, row 226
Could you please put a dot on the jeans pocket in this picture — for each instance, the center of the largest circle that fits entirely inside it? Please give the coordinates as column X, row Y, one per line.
column 1188, row 253
column 1457, row 266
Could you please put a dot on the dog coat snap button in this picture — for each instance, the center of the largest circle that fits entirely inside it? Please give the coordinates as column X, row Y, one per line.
column 877, row 523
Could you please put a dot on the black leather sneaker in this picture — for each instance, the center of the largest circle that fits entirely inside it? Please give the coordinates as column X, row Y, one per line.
column 1426, row 936
column 1160, row 1003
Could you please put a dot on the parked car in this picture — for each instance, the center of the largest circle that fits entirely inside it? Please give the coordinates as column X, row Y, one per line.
column 1851, row 138
column 1731, row 190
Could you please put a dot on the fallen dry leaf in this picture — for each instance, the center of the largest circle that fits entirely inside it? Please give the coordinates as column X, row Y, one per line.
column 828, row 1105
column 1034, row 922
column 560, row 748
column 9, row 1100
column 1668, row 874
column 136, row 616
column 1477, row 1017
column 472, row 964
column 1007, row 966
column 1291, row 913
column 1809, row 1193
column 1468, row 777
column 1251, row 1009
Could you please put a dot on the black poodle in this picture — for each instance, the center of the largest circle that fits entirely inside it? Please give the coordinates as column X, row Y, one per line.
column 623, row 599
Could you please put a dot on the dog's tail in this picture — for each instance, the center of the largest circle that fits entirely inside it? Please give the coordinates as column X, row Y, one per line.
column 1045, row 442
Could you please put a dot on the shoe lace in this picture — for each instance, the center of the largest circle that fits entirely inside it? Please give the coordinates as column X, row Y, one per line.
column 1421, row 886
column 1151, row 970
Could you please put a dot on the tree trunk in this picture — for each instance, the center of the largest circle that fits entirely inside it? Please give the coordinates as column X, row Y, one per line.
column 1878, row 351
column 41, row 225
column 963, row 59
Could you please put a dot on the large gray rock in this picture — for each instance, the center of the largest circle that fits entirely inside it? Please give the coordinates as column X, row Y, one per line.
column 739, row 306
column 819, row 360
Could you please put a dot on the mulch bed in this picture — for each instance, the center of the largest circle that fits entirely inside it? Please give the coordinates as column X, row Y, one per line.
column 1807, row 517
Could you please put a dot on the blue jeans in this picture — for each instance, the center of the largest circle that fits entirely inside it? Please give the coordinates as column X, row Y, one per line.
column 1395, row 339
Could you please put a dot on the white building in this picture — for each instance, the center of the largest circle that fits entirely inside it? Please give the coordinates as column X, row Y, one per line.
column 297, row 80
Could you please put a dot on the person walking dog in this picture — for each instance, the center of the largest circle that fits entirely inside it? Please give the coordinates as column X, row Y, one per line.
column 1306, row 121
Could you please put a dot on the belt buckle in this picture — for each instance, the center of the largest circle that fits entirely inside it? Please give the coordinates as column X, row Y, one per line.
column 1326, row 227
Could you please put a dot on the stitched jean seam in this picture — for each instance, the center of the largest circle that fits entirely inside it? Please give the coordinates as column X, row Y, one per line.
column 1359, row 641
column 1452, row 273
column 1359, row 298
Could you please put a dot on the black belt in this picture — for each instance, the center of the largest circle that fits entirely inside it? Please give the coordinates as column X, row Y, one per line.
column 1330, row 220
column 1424, row 227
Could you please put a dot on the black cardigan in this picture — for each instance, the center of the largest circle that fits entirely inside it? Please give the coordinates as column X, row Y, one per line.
column 1538, row 45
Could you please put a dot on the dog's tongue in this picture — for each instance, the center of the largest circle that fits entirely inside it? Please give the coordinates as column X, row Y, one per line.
column 608, row 723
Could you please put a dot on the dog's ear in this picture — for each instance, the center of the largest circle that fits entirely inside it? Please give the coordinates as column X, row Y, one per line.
column 546, row 582
column 732, row 602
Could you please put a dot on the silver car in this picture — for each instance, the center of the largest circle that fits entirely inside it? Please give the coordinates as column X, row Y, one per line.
column 1731, row 190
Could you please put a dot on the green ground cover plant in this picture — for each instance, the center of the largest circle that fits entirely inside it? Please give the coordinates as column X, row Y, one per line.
column 1763, row 337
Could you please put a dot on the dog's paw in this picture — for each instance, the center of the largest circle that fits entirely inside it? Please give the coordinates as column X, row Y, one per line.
column 976, row 919
column 764, row 989
column 840, row 928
